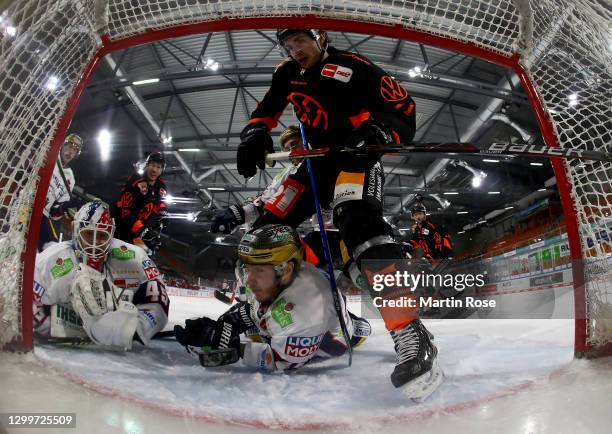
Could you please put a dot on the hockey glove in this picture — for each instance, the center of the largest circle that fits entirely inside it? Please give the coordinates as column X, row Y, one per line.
column 63, row 209
column 151, row 238
column 162, row 219
column 238, row 316
column 226, row 220
column 370, row 133
column 157, row 222
column 87, row 294
column 255, row 142
column 207, row 334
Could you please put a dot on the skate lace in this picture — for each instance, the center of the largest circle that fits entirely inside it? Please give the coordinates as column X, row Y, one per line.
column 406, row 344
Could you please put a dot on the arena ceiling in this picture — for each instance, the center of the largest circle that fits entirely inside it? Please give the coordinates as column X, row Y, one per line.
column 198, row 92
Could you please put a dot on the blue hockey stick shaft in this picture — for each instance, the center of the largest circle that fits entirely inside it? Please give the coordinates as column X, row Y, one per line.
column 326, row 251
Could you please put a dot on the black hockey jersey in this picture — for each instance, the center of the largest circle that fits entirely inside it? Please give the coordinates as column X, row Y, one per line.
column 138, row 205
column 335, row 97
column 433, row 241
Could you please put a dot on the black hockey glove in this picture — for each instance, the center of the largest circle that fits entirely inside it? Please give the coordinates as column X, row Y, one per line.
column 151, row 238
column 162, row 219
column 255, row 142
column 207, row 334
column 238, row 316
column 157, row 222
column 370, row 133
column 62, row 209
column 225, row 221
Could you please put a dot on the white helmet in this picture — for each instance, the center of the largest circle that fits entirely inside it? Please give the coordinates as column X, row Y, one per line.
column 93, row 230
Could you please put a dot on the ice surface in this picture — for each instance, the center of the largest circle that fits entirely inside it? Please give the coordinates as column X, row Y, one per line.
column 501, row 376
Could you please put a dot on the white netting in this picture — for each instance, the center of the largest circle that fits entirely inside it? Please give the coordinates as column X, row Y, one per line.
column 43, row 51
column 565, row 48
column 569, row 62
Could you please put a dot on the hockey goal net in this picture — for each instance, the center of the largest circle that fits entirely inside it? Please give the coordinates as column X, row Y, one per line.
column 560, row 49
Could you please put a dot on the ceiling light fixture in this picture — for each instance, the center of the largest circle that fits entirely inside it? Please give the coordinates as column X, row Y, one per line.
column 104, row 142
column 146, row 81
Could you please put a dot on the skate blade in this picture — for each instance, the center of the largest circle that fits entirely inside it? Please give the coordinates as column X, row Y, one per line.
column 421, row 387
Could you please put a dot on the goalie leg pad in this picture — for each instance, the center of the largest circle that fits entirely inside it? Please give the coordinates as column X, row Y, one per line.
column 152, row 319
column 116, row 328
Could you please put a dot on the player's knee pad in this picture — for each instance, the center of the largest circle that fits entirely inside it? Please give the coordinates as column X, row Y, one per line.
column 364, row 231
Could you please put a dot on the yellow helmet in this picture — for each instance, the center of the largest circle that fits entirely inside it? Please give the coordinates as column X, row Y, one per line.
column 289, row 133
column 273, row 244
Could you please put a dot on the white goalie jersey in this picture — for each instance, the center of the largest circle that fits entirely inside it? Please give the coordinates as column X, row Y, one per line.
column 130, row 297
column 299, row 325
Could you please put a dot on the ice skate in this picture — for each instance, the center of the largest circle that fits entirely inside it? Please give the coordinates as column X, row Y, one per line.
column 417, row 371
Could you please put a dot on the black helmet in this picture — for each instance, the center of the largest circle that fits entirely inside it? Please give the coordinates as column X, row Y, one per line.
column 156, row 157
column 418, row 207
column 282, row 34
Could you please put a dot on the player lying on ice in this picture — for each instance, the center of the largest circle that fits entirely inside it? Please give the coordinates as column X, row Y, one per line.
column 289, row 306
column 98, row 287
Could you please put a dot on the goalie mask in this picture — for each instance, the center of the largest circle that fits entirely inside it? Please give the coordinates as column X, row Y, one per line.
column 93, row 230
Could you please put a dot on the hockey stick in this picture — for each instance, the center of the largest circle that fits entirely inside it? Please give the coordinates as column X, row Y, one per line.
column 224, row 298
column 84, row 341
column 326, row 251
column 494, row 149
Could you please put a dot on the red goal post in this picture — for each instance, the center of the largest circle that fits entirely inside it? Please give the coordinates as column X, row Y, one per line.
column 560, row 50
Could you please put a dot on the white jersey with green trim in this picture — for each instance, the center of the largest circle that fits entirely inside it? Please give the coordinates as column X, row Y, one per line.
column 58, row 191
column 252, row 210
column 294, row 325
column 127, row 267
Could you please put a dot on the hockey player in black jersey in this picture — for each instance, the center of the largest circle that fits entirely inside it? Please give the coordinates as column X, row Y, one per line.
column 140, row 212
column 343, row 100
column 428, row 237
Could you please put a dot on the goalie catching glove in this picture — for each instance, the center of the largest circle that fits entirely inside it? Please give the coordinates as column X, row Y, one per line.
column 87, row 293
column 92, row 298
